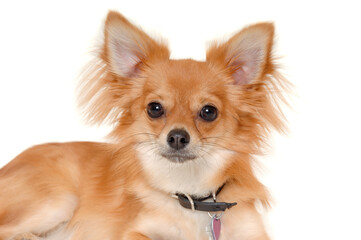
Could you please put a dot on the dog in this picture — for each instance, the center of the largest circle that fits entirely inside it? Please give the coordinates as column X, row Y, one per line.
column 179, row 163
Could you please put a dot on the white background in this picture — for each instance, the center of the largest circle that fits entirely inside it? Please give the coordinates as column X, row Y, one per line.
column 313, row 173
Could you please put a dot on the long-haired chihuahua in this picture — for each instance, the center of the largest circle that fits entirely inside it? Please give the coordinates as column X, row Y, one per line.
column 179, row 165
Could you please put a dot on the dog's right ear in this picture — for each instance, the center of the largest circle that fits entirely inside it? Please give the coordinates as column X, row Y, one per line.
column 127, row 48
column 112, row 81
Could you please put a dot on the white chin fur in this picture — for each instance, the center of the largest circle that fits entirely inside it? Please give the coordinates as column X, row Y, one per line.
column 192, row 177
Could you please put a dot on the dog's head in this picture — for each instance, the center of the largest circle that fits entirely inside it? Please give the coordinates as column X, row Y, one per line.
column 190, row 121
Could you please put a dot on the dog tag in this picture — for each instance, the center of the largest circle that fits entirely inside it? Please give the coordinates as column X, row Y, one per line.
column 216, row 227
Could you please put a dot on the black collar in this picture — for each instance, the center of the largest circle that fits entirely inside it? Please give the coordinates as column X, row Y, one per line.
column 199, row 205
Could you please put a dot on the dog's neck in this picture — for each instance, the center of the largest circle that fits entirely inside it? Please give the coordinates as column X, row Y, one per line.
column 196, row 177
column 199, row 204
column 211, row 195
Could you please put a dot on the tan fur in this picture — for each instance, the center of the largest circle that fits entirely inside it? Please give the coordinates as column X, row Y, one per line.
column 122, row 190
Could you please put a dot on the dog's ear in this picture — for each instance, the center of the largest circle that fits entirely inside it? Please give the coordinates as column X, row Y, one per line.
column 127, row 48
column 246, row 54
column 112, row 81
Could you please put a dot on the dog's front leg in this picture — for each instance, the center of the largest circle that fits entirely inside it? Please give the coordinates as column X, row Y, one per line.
column 243, row 222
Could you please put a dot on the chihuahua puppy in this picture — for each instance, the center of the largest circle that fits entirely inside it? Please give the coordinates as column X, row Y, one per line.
column 180, row 163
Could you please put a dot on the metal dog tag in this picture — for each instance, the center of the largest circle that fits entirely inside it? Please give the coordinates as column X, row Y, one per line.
column 215, row 227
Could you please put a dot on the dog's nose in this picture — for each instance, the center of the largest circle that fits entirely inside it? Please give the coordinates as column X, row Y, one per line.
column 178, row 138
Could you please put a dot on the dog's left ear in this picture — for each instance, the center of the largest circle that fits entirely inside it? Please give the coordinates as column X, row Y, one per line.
column 246, row 54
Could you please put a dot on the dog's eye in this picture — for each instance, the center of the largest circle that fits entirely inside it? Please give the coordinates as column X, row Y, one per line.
column 155, row 110
column 208, row 113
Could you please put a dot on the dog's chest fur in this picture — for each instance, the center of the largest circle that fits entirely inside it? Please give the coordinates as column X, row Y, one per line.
column 164, row 218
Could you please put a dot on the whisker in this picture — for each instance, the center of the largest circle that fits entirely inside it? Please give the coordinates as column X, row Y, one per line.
column 218, row 137
column 221, row 147
column 142, row 133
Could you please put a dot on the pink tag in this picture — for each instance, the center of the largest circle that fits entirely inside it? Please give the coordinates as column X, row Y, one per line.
column 216, row 228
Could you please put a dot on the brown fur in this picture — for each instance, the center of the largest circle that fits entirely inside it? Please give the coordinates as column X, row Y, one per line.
column 108, row 182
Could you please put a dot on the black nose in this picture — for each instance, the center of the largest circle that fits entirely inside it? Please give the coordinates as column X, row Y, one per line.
column 178, row 138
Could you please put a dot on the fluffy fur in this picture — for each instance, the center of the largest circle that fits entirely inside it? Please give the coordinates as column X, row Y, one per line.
column 123, row 189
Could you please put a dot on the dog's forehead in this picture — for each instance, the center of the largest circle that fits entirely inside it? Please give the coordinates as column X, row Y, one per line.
column 184, row 77
column 187, row 71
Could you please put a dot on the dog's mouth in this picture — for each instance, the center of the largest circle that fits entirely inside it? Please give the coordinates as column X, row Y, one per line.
column 178, row 156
